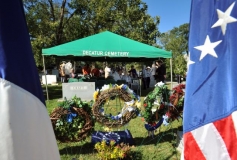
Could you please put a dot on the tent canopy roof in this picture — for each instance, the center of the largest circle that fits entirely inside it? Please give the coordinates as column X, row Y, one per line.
column 107, row 45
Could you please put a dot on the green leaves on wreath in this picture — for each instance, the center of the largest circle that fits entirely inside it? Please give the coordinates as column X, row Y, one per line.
column 75, row 102
column 69, row 130
column 65, row 104
column 59, row 122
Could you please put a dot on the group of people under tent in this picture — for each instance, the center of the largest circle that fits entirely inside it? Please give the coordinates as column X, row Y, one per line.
column 67, row 71
column 156, row 72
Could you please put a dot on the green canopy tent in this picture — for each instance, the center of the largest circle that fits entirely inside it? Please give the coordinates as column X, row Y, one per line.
column 107, row 46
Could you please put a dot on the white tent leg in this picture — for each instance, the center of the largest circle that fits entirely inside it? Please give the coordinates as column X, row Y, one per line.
column 45, row 80
column 171, row 71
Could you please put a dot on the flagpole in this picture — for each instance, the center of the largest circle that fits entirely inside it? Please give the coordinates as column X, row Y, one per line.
column 45, row 80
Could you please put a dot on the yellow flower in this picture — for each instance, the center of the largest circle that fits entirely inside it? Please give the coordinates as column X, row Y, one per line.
column 120, row 86
column 121, row 154
column 97, row 145
column 107, row 129
column 95, row 95
column 112, row 156
column 103, row 143
column 138, row 104
column 112, row 142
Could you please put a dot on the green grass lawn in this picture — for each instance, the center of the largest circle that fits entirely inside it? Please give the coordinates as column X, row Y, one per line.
column 160, row 147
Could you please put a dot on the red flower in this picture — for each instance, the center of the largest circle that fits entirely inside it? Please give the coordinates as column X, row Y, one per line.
column 143, row 119
column 153, row 124
column 168, row 114
column 145, row 104
column 162, row 106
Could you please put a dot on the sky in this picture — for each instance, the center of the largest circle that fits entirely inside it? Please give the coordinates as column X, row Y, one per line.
column 173, row 13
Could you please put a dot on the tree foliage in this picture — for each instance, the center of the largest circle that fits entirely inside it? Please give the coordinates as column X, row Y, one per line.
column 176, row 41
column 52, row 23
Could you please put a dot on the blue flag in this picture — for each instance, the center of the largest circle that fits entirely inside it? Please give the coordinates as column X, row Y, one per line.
column 25, row 128
column 210, row 117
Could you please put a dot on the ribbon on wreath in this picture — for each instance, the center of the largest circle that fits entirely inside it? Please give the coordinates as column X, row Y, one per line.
column 152, row 128
column 70, row 116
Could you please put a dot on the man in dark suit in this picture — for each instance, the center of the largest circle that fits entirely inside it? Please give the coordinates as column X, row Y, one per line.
column 161, row 71
column 134, row 72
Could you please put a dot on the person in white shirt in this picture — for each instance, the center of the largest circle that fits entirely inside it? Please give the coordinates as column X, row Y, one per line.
column 128, row 77
column 148, row 74
column 68, row 67
column 118, row 75
column 107, row 71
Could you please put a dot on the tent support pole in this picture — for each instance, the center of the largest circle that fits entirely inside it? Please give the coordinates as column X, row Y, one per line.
column 46, row 81
column 171, row 71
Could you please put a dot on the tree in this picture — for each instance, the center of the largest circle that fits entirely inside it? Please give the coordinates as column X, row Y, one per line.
column 52, row 23
column 176, row 41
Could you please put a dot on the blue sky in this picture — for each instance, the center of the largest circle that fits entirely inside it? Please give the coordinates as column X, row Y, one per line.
column 173, row 13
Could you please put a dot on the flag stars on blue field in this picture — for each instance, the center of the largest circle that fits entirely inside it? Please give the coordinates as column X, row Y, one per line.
column 208, row 48
column 224, row 18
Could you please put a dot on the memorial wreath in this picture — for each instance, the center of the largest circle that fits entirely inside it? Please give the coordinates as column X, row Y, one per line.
column 72, row 120
column 161, row 107
column 109, row 92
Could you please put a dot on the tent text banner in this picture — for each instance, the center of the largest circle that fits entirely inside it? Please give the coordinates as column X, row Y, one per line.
column 106, row 53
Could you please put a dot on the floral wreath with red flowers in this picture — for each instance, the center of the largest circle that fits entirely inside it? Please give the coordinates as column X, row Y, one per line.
column 160, row 107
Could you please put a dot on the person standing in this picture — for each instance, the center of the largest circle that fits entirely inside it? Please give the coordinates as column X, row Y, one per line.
column 86, row 70
column 148, row 74
column 95, row 72
column 128, row 78
column 72, row 74
column 62, row 72
column 161, row 71
column 153, row 75
column 107, row 71
column 144, row 77
column 153, row 70
column 118, row 75
column 134, row 72
column 68, row 67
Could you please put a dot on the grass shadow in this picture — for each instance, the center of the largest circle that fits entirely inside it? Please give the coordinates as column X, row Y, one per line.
column 144, row 93
column 133, row 155
column 161, row 137
column 77, row 148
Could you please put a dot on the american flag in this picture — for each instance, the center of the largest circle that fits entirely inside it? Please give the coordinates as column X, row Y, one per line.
column 210, row 116
column 25, row 128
